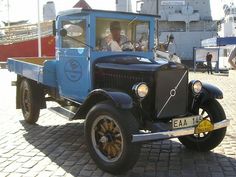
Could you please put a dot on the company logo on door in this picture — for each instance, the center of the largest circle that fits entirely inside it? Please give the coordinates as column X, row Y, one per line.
column 73, row 70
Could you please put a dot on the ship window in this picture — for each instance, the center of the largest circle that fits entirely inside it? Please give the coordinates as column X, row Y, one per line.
column 225, row 52
column 76, row 36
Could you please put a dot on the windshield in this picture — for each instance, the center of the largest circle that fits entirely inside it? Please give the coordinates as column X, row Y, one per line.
column 122, row 35
column 75, row 34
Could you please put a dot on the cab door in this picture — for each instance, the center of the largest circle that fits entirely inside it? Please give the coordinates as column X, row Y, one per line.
column 73, row 69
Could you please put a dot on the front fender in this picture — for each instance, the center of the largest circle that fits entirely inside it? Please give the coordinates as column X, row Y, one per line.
column 118, row 99
column 212, row 91
column 209, row 92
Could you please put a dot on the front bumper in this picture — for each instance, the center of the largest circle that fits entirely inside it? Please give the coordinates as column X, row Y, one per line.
column 173, row 133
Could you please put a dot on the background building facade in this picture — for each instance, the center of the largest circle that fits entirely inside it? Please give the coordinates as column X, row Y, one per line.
column 190, row 21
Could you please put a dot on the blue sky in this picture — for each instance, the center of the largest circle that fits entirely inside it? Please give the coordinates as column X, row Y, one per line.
column 27, row 9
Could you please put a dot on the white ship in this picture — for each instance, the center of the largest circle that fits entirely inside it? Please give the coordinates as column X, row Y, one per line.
column 227, row 26
column 189, row 21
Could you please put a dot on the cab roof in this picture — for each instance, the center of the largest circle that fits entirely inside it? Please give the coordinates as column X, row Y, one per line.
column 80, row 10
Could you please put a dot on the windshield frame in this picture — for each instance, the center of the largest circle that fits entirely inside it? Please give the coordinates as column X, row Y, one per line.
column 120, row 16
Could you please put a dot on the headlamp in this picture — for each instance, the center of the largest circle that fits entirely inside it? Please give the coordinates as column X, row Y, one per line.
column 141, row 89
column 196, row 87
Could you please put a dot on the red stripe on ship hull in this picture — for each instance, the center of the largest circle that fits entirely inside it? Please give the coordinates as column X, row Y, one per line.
column 28, row 48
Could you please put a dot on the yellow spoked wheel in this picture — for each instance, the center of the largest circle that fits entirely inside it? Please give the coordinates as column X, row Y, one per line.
column 108, row 132
column 107, row 138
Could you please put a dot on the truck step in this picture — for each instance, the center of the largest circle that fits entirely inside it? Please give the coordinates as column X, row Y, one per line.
column 63, row 112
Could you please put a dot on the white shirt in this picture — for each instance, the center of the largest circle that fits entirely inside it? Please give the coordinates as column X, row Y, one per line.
column 108, row 44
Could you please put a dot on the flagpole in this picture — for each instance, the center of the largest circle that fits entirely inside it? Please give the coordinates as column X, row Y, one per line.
column 8, row 13
column 39, row 33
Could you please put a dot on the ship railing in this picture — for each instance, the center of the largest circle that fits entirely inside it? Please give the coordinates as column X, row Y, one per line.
column 24, row 32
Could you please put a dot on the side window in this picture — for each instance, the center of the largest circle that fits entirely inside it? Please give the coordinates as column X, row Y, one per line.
column 142, row 35
column 76, row 34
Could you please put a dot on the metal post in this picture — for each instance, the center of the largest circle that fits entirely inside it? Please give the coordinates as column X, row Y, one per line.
column 218, row 64
column 39, row 33
column 8, row 13
column 157, row 31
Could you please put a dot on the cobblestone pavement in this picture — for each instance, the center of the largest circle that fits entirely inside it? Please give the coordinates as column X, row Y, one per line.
column 56, row 147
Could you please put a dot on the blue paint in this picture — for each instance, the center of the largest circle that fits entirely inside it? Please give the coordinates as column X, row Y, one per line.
column 219, row 41
column 72, row 70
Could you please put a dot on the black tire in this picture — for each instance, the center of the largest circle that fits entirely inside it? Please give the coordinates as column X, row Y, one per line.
column 123, row 124
column 30, row 100
column 212, row 139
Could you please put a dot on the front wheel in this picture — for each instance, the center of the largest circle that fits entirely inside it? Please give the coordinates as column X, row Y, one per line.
column 213, row 111
column 108, row 133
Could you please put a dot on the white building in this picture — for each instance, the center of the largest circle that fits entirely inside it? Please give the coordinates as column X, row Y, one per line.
column 49, row 11
column 124, row 5
column 189, row 21
column 227, row 26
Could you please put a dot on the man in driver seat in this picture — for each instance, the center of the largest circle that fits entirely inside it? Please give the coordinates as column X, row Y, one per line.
column 113, row 41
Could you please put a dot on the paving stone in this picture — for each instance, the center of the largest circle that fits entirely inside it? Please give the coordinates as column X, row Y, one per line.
column 85, row 173
column 59, row 172
column 22, row 170
column 56, row 147
column 30, row 164
column 98, row 173
column 12, row 167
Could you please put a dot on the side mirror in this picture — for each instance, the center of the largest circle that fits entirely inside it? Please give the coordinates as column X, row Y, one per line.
column 63, row 32
column 54, row 31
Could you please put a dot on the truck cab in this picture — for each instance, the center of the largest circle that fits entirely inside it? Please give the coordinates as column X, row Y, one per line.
column 87, row 38
column 105, row 71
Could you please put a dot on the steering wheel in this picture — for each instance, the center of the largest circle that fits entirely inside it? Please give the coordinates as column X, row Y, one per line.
column 127, row 46
column 134, row 45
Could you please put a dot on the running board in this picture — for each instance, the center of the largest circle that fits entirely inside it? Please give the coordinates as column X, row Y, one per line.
column 63, row 112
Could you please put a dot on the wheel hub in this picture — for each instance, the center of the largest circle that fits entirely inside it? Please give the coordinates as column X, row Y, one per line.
column 104, row 139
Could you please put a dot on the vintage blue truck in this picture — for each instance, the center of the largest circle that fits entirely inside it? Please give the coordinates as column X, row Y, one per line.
column 105, row 71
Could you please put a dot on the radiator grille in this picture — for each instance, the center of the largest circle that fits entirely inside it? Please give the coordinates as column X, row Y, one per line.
column 166, row 81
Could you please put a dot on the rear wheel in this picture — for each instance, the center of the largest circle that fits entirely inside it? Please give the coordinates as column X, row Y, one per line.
column 30, row 101
column 108, row 133
column 213, row 111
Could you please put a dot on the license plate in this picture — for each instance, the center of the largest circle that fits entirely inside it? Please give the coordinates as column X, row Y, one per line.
column 186, row 122
column 204, row 126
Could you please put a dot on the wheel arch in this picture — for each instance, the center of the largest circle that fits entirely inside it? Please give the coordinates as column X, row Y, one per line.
column 118, row 99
